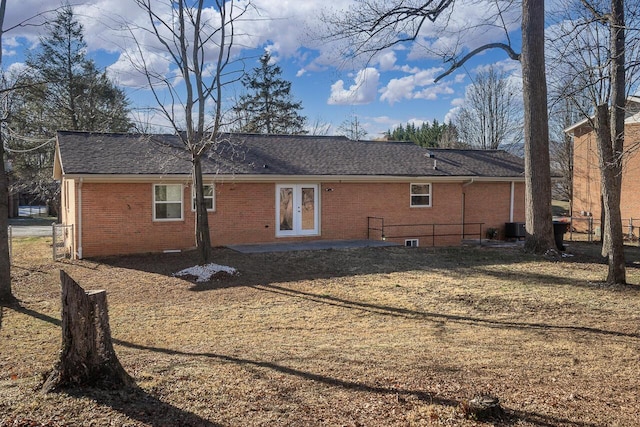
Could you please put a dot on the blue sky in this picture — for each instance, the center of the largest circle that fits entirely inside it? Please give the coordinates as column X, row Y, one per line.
column 393, row 88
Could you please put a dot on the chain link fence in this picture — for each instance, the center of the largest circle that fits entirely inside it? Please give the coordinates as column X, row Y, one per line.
column 62, row 241
column 589, row 229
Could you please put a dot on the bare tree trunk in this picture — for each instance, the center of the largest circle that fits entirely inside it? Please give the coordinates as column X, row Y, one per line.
column 87, row 358
column 203, row 238
column 5, row 265
column 611, row 178
column 611, row 150
column 539, row 225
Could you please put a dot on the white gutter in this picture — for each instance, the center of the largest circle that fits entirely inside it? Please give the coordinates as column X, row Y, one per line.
column 288, row 178
column 79, row 221
column 512, row 201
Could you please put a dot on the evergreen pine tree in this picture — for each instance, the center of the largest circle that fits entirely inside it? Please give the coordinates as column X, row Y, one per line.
column 61, row 90
column 75, row 95
column 268, row 107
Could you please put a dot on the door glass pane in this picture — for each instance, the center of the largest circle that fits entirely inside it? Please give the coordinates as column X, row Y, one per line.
column 308, row 211
column 286, row 209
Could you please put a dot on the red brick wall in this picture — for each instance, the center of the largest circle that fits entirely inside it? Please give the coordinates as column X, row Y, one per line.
column 117, row 218
column 586, row 176
column 490, row 203
column 630, row 202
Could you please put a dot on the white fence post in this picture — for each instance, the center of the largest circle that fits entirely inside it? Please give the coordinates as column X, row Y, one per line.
column 54, row 246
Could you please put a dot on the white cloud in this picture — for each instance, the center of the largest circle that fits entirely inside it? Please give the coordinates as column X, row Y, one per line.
column 363, row 91
column 386, row 60
column 384, row 120
column 466, row 26
column 451, row 115
column 398, row 89
column 432, row 93
column 508, row 66
column 459, row 78
column 409, row 70
column 408, row 87
column 128, row 69
column 6, row 53
column 17, row 68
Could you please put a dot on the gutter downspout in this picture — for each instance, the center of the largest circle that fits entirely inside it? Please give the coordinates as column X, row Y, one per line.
column 511, row 202
column 79, row 221
column 464, row 201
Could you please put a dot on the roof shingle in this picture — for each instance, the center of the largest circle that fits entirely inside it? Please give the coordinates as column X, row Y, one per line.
column 86, row 153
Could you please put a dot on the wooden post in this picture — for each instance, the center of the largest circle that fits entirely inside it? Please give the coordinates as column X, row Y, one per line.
column 87, row 358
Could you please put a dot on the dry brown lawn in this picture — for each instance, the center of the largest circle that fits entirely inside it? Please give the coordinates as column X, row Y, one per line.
column 361, row 337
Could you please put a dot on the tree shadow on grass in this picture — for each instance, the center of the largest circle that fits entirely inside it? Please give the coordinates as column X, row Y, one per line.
column 271, row 267
column 133, row 402
column 279, row 267
column 545, row 280
column 35, row 314
column 590, row 253
column 511, row 417
column 13, row 303
column 141, row 406
column 436, row 317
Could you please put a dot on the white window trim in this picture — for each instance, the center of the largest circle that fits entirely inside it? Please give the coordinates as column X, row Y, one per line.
column 420, row 194
column 213, row 197
column 166, row 202
column 410, row 243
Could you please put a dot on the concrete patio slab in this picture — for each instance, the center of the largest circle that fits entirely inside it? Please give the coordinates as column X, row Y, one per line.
column 308, row 246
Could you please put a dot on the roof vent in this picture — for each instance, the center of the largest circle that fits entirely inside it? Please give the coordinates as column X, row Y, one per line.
column 429, row 154
column 435, row 165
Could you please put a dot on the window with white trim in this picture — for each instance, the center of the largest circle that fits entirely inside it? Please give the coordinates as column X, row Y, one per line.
column 420, row 195
column 209, row 197
column 412, row 243
column 167, row 202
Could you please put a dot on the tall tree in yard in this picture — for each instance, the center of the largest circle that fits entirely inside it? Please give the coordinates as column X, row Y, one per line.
column 537, row 170
column 75, row 95
column 594, row 48
column 6, row 295
column 374, row 25
column 60, row 89
column 268, row 107
column 198, row 45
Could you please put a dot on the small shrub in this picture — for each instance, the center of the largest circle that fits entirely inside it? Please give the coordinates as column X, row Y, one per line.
column 492, row 233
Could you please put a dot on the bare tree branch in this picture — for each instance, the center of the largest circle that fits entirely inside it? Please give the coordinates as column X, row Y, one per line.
column 459, row 63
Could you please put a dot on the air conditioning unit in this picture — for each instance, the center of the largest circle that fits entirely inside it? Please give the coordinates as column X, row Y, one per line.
column 514, row 230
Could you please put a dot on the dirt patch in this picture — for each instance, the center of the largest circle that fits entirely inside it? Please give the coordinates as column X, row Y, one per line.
column 372, row 337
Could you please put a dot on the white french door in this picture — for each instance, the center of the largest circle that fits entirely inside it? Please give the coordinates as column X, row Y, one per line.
column 296, row 209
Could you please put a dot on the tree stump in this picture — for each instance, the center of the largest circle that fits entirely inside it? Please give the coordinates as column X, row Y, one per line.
column 484, row 407
column 87, row 358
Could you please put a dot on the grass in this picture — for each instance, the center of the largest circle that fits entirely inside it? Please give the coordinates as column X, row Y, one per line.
column 372, row 337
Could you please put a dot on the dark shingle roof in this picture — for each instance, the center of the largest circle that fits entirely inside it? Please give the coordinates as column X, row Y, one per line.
column 247, row 154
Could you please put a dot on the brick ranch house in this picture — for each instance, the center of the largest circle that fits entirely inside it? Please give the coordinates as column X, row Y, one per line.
column 586, row 202
column 129, row 193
